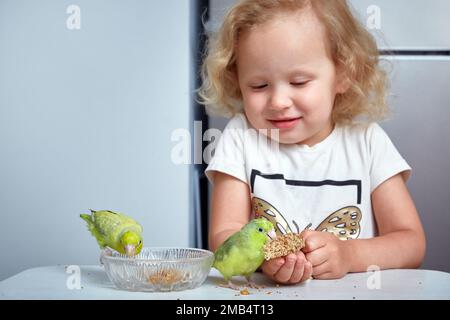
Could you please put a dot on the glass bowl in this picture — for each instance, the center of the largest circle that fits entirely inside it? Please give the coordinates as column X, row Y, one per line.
column 159, row 269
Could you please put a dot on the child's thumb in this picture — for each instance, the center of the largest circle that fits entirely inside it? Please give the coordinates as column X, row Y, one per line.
column 306, row 235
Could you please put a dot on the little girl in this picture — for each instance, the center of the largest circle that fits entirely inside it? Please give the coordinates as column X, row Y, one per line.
column 305, row 74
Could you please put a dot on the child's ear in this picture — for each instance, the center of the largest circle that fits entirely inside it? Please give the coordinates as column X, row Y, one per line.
column 343, row 83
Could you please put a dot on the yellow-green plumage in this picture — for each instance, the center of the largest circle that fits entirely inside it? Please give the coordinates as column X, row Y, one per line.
column 242, row 253
column 114, row 230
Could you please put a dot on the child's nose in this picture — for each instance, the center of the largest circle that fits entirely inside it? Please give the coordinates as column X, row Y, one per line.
column 280, row 99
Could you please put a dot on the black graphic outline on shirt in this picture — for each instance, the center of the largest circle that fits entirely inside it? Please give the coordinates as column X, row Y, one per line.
column 279, row 176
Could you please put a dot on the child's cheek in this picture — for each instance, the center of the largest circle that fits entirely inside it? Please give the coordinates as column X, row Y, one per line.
column 316, row 100
column 254, row 103
column 307, row 102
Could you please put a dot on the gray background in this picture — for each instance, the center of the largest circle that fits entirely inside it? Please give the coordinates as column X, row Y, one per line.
column 86, row 118
column 419, row 100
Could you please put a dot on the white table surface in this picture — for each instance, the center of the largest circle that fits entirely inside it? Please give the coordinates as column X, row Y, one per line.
column 50, row 283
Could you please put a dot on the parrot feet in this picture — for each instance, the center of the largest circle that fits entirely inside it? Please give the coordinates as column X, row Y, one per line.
column 230, row 285
column 105, row 252
column 254, row 285
column 251, row 284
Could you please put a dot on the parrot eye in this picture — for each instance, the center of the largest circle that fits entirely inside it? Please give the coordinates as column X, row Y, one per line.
column 260, row 229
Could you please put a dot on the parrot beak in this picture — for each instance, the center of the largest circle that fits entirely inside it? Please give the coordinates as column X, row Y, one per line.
column 272, row 235
column 130, row 250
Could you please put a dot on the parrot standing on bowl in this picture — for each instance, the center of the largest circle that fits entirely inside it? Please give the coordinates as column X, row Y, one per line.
column 242, row 253
column 116, row 231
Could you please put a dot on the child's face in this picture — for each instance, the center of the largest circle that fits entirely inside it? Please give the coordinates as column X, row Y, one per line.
column 287, row 78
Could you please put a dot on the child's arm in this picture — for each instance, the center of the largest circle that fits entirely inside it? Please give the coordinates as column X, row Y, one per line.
column 230, row 207
column 400, row 244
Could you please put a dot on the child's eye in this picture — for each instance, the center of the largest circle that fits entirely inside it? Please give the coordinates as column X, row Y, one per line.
column 298, row 84
column 259, row 87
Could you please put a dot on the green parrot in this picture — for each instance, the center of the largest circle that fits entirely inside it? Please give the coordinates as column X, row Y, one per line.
column 116, row 231
column 242, row 253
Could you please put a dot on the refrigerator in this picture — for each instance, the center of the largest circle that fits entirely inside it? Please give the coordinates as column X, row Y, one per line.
column 413, row 38
column 91, row 93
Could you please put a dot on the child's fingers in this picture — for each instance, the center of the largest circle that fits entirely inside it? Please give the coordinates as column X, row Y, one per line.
column 320, row 269
column 317, row 257
column 271, row 267
column 285, row 272
column 307, row 272
column 313, row 240
column 325, row 276
column 299, row 267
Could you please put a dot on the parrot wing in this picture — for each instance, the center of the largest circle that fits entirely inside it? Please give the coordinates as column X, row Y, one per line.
column 122, row 219
column 94, row 231
column 238, row 255
column 129, row 221
column 223, row 252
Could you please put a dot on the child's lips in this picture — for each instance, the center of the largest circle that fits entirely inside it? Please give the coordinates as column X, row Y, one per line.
column 286, row 123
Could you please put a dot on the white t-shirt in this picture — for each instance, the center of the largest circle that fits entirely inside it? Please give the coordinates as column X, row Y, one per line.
column 328, row 185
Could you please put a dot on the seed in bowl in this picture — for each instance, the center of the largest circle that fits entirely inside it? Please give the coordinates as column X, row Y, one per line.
column 168, row 276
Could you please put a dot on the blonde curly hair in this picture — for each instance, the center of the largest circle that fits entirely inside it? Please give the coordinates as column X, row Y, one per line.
column 352, row 48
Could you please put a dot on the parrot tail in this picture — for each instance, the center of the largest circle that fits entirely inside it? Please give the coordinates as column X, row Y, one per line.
column 86, row 218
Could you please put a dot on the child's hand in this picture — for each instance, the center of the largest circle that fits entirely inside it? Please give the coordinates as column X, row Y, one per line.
column 291, row 269
column 329, row 256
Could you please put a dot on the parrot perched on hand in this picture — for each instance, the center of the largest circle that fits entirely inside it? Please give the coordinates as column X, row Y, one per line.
column 116, row 231
column 242, row 253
